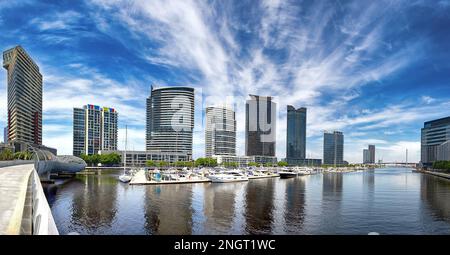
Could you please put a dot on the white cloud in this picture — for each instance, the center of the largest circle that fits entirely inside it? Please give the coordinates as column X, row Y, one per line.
column 427, row 99
column 326, row 51
column 57, row 21
column 191, row 38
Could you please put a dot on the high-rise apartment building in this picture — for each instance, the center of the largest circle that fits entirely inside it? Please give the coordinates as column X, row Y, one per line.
column 369, row 155
column 333, row 148
column 366, row 156
column 296, row 133
column 170, row 120
column 220, row 132
column 434, row 136
column 94, row 129
column 260, row 126
column 24, row 97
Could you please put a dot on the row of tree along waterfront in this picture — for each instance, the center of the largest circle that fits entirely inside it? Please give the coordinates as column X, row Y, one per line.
column 442, row 165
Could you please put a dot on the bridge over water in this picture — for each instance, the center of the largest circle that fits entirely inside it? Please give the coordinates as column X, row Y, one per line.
column 24, row 209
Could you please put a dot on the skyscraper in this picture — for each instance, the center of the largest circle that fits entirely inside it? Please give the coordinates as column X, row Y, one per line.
column 366, row 156
column 296, row 133
column 170, row 120
column 220, row 132
column 94, row 129
column 260, row 126
column 434, row 135
column 371, row 154
column 333, row 148
column 24, row 97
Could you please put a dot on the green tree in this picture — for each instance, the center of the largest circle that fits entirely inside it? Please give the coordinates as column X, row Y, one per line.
column 162, row 163
column 96, row 159
column 253, row 164
column 441, row 165
column 189, row 163
column 22, row 155
column 6, row 154
column 212, row 162
column 86, row 158
column 282, row 163
column 150, row 163
column 110, row 159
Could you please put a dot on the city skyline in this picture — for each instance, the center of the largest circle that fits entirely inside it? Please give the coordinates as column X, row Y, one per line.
column 361, row 85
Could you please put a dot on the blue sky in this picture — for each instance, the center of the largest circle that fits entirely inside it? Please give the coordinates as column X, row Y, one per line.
column 375, row 70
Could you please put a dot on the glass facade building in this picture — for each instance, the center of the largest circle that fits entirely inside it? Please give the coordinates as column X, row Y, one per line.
column 94, row 129
column 433, row 136
column 24, row 97
column 369, row 155
column 220, row 131
column 333, row 148
column 170, row 120
column 260, row 126
column 366, row 156
column 296, row 133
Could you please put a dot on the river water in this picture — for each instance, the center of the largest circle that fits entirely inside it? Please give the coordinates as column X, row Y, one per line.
column 387, row 201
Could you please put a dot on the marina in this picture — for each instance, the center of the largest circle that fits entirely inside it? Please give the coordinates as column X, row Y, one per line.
column 383, row 200
column 217, row 175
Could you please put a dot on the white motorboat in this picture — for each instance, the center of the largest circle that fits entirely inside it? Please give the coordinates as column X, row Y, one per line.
column 303, row 170
column 231, row 176
column 260, row 173
column 287, row 173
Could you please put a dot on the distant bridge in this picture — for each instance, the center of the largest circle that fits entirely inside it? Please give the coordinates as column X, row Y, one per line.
column 398, row 164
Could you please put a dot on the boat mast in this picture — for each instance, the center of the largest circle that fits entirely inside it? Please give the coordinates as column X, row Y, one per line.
column 125, row 154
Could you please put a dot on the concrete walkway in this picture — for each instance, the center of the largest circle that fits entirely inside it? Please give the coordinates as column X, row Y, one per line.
column 443, row 175
column 13, row 193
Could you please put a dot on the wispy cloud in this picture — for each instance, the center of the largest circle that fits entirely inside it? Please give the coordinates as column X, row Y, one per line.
column 324, row 55
column 57, row 21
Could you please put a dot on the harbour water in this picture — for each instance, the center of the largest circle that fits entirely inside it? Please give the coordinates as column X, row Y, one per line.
column 387, row 201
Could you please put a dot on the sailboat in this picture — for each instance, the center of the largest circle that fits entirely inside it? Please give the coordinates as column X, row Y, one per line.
column 125, row 177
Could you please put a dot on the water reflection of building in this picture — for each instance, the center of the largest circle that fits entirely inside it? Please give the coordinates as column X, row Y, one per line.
column 369, row 179
column 294, row 211
column 332, row 184
column 259, row 210
column 435, row 192
column 332, row 188
column 219, row 207
column 168, row 210
column 95, row 205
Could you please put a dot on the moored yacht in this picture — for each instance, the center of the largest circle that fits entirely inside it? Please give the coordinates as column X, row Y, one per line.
column 287, row 173
column 229, row 176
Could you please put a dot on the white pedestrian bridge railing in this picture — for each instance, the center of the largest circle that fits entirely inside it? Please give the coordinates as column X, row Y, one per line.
column 42, row 218
column 24, row 209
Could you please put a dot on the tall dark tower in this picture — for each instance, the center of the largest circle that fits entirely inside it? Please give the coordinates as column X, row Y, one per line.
column 260, row 126
column 296, row 133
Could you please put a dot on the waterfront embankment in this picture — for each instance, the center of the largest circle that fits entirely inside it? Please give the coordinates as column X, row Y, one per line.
column 439, row 174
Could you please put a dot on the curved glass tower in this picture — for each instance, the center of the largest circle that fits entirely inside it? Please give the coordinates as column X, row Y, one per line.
column 170, row 120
